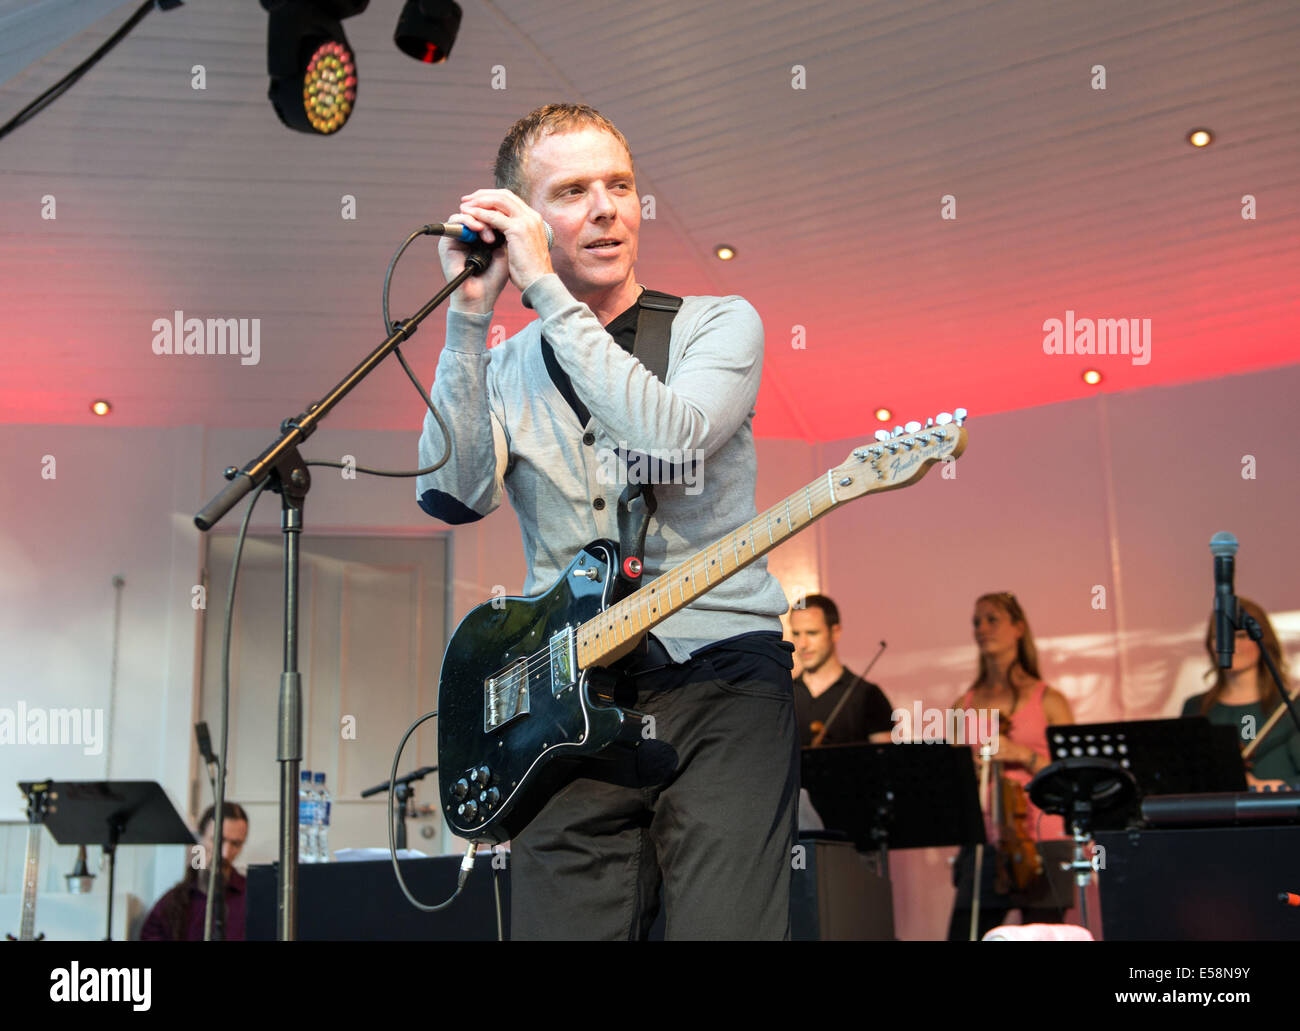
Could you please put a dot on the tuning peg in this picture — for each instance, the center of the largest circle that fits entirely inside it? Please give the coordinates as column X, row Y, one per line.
column 929, row 423
column 943, row 418
column 912, row 426
column 898, row 431
column 959, row 416
column 882, row 435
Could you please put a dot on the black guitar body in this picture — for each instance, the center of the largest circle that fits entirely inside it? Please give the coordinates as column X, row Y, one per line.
column 514, row 712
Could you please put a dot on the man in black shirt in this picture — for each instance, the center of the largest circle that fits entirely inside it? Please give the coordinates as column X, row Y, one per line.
column 866, row 716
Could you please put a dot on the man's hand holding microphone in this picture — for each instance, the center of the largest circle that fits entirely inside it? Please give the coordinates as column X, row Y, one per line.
column 496, row 215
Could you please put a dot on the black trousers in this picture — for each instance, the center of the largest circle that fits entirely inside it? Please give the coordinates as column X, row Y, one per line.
column 701, row 818
column 1045, row 903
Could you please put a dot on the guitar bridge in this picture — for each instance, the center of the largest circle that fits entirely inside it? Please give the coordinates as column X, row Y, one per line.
column 505, row 696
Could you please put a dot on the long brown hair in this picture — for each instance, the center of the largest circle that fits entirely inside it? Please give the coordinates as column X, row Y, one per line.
column 1026, row 651
column 176, row 903
column 1268, row 696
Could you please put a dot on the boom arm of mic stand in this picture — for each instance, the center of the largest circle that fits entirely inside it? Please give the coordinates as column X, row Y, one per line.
column 294, row 431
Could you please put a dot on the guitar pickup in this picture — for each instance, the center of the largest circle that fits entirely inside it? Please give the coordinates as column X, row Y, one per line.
column 562, row 662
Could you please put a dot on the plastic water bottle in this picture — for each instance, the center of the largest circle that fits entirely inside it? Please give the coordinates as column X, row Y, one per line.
column 322, row 820
column 306, row 819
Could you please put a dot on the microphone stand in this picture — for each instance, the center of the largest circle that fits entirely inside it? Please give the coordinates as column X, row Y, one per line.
column 287, row 471
column 1245, row 621
column 404, row 790
column 217, row 884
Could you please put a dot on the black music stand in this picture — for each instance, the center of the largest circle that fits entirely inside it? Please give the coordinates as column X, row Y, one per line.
column 112, row 813
column 1166, row 757
column 896, row 796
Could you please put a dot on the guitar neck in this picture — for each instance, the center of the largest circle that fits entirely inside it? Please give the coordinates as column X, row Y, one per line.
column 614, row 631
column 27, row 926
column 893, row 461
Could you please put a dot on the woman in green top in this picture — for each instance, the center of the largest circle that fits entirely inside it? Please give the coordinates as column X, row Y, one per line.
column 1245, row 696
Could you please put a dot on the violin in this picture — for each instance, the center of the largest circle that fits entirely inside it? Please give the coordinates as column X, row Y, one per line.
column 1018, row 862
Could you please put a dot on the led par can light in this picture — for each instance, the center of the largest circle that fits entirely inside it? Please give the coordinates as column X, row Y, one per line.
column 312, row 67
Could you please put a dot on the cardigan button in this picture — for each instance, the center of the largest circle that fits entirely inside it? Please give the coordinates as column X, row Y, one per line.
column 589, row 438
column 598, row 504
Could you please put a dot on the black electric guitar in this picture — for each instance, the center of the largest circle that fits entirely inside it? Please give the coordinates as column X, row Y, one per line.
column 37, row 806
column 526, row 684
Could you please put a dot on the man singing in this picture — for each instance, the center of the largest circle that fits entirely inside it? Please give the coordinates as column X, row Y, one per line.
column 538, row 420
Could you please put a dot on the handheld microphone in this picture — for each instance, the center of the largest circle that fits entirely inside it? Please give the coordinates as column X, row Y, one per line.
column 1224, row 547
column 466, row 235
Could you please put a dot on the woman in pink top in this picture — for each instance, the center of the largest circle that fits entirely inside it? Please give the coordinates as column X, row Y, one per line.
column 1009, row 683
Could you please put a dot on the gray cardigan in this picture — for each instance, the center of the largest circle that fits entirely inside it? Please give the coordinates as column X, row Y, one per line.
column 513, row 433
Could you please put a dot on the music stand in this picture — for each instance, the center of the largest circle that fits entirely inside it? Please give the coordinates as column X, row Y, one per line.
column 1166, row 757
column 112, row 813
column 896, row 796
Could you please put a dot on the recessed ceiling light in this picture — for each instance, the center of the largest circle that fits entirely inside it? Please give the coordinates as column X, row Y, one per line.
column 1092, row 377
column 884, row 414
column 724, row 252
column 1200, row 137
column 100, row 407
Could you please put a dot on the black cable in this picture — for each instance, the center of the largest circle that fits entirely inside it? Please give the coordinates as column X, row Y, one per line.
column 390, row 327
column 496, row 891
column 466, row 865
column 219, row 789
column 68, row 81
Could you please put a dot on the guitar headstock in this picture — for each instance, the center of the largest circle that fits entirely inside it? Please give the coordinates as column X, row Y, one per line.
column 895, row 459
column 39, row 799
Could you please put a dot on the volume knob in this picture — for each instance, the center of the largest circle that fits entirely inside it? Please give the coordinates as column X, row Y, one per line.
column 481, row 776
column 460, row 789
column 467, row 811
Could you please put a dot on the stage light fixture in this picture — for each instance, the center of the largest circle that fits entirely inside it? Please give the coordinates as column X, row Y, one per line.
column 1092, row 377
column 884, row 414
column 100, row 407
column 1200, row 137
column 312, row 67
column 724, row 252
column 427, row 29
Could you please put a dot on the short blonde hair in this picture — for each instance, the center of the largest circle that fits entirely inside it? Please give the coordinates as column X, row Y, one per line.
column 548, row 120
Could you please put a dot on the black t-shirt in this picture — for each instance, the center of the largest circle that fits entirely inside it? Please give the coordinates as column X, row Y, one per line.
column 867, row 712
column 622, row 328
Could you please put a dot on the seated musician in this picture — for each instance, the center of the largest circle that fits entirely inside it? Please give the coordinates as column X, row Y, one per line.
column 180, row 914
column 1245, row 697
column 823, row 682
column 1009, row 682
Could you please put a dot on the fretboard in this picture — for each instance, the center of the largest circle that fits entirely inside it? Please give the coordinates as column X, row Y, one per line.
column 627, row 620
column 27, row 926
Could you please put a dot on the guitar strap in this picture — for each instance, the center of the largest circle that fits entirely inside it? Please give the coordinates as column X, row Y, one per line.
column 637, row 504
